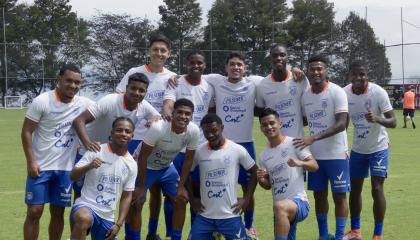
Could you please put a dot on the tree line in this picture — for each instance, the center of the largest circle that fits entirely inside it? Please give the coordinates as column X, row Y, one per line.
column 40, row 37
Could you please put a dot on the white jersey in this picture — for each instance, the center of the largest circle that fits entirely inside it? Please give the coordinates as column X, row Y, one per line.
column 202, row 95
column 103, row 186
column 167, row 144
column 155, row 90
column 286, row 182
column 285, row 98
column 320, row 110
column 110, row 107
column 368, row 137
column 235, row 106
column 219, row 170
column 54, row 141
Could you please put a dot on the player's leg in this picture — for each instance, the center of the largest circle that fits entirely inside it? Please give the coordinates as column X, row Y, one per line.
column 55, row 229
column 31, row 224
column 302, row 212
column 405, row 116
column 154, row 209
column 82, row 220
column 284, row 213
column 412, row 118
column 202, row 228
column 77, row 185
column 60, row 197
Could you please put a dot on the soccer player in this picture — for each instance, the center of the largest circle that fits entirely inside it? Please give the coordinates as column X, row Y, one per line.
column 158, row 75
column 160, row 145
column 282, row 170
column 219, row 160
column 110, row 176
column 370, row 112
column 50, row 143
column 409, row 107
column 282, row 92
column 325, row 106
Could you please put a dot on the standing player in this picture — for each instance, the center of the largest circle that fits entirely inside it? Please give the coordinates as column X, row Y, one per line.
column 371, row 112
column 282, row 170
column 325, row 106
column 110, row 176
column 158, row 75
column 219, row 160
column 160, row 145
column 409, row 107
column 50, row 143
column 282, row 92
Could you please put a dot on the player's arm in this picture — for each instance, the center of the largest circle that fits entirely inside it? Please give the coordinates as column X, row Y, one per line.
column 145, row 152
column 257, row 111
column 249, row 191
column 82, row 167
column 79, row 125
column 167, row 109
column 28, row 128
column 263, row 179
column 125, row 202
column 308, row 163
column 186, row 167
column 388, row 121
column 195, row 202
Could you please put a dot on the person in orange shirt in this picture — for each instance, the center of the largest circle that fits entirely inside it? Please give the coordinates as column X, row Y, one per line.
column 409, row 107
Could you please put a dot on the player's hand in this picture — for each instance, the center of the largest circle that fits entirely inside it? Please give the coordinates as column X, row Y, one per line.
column 172, row 82
column 152, row 120
column 167, row 116
column 298, row 73
column 112, row 232
column 33, row 170
column 240, row 205
column 292, row 162
column 181, row 194
column 93, row 146
column 139, row 196
column 261, row 174
column 370, row 117
column 196, row 205
column 303, row 142
column 97, row 162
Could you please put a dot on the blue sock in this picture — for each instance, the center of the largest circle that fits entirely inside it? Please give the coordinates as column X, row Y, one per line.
column 153, row 225
column 249, row 218
column 322, row 219
column 176, row 234
column 340, row 226
column 168, row 209
column 131, row 235
column 355, row 222
column 378, row 229
column 280, row 238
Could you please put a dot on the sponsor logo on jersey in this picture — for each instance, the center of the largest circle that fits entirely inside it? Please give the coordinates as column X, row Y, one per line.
column 283, row 105
column 216, row 194
column 234, row 99
column 110, row 179
column 357, row 117
column 317, row 114
column 216, row 173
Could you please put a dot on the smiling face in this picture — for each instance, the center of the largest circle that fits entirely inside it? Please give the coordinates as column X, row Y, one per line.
column 159, row 53
column 122, row 133
column 213, row 133
column 135, row 92
column 359, row 78
column 68, row 85
column 278, row 56
column 270, row 125
column 317, row 73
column 196, row 65
column 235, row 69
column 181, row 117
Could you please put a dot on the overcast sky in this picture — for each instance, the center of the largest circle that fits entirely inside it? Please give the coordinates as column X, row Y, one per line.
column 383, row 15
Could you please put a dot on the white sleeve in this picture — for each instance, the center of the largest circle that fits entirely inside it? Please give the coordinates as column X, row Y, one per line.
column 195, row 161
column 340, row 101
column 87, row 158
column 305, row 84
column 384, row 102
column 304, row 153
column 213, row 78
column 259, row 102
column 36, row 109
column 262, row 165
column 102, row 107
column 170, row 93
column 212, row 102
column 146, row 111
column 194, row 137
column 153, row 134
column 245, row 159
column 255, row 79
column 131, row 180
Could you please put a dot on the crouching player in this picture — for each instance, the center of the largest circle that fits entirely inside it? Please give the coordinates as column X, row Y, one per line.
column 282, row 170
column 110, row 174
column 219, row 160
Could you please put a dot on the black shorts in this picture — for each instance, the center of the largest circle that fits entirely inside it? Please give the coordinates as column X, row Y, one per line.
column 408, row 112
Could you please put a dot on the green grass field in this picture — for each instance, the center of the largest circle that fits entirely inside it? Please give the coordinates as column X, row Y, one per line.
column 402, row 197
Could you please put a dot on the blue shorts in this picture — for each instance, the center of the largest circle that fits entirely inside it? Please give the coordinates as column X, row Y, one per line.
column 77, row 185
column 376, row 162
column 244, row 175
column 50, row 187
column 230, row 228
column 132, row 146
column 179, row 162
column 301, row 214
column 336, row 171
column 167, row 179
column 99, row 227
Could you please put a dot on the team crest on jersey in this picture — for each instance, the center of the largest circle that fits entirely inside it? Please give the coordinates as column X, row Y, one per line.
column 368, row 104
column 226, row 160
column 293, row 90
column 324, row 103
column 284, row 152
column 184, row 142
column 199, row 109
column 206, row 96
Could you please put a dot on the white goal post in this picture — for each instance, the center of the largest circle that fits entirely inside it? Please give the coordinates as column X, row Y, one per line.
column 13, row 102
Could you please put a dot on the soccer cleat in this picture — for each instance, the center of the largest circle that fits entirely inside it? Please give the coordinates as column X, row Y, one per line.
column 329, row 237
column 376, row 237
column 353, row 235
column 153, row 237
column 252, row 233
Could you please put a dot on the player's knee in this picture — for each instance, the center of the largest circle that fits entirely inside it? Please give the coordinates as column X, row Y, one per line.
column 83, row 220
column 340, row 198
column 35, row 212
column 280, row 210
column 180, row 205
column 377, row 190
column 57, row 212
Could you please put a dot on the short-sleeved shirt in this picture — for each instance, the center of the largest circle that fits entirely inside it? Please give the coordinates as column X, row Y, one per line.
column 235, row 105
column 109, row 108
column 202, row 96
column 368, row 137
column 103, row 186
column 219, row 170
column 155, row 90
column 320, row 110
column 167, row 144
column 284, row 97
column 286, row 182
column 409, row 100
column 54, row 141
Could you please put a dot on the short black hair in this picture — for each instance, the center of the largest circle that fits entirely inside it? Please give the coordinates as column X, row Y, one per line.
column 277, row 45
column 268, row 111
column 120, row 119
column 235, row 54
column 138, row 77
column 194, row 52
column 318, row 58
column 69, row 66
column 159, row 38
column 183, row 102
column 211, row 118
column 357, row 64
